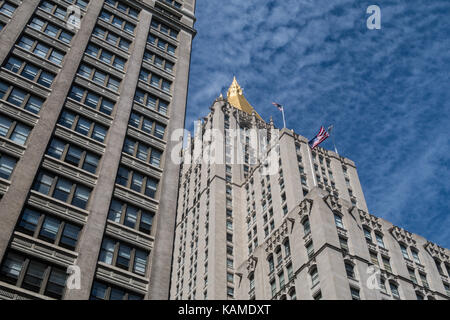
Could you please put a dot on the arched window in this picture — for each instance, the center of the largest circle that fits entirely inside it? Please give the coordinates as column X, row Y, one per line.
column 349, row 269
column 287, row 248
column 367, row 234
column 314, row 273
column 306, row 226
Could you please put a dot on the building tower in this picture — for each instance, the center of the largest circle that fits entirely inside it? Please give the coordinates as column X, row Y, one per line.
column 302, row 231
column 90, row 92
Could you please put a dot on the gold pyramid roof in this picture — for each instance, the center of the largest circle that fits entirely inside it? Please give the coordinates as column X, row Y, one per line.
column 236, row 98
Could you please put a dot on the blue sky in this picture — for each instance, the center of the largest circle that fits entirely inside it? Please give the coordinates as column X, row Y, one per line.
column 386, row 91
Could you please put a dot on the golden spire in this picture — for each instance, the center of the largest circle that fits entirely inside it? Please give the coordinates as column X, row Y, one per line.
column 236, row 98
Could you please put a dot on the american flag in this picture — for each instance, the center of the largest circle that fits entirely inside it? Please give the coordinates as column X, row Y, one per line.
column 319, row 138
column 279, row 106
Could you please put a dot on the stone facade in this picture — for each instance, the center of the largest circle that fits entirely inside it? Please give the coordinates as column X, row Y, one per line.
column 80, row 106
column 303, row 232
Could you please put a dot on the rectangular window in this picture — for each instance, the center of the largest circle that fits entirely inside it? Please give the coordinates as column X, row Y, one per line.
column 7, row 165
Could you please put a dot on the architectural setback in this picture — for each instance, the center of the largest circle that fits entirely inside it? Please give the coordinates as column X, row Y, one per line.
column 90, row 92
column 300, row 232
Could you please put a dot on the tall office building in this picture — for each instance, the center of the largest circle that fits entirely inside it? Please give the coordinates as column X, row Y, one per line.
column 90, row 92
column 301, row 231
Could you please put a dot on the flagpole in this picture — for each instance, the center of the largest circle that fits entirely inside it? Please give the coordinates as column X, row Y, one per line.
column 312, row 166
column 284, row 119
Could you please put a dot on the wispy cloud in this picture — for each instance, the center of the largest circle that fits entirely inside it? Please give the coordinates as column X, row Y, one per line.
column 386, row 91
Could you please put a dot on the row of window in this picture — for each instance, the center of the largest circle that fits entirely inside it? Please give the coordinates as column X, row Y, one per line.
column 161, row 44
column 55, row 9
column 137, row 181
column 73, row 155
column 151, row 101
column 13, row 130
column 131, row 216
column 117, row 22
column 34, row 275
column 142, row 151
column 80, row 3
column 119, row 5
column 100, row 77
column 174, row 3
column 164, row 29
column 106, row 56
column 62, row 189
column 121, row 255
column 101, row 291
column 30, row 71
column 82, row 125
column 51, row 30
column 112, row 38
column 49, row 229
column 158, row 61
column 91, row 99
column 147, row 125
column 41, row 50
column 20, row 98
column 154, row 80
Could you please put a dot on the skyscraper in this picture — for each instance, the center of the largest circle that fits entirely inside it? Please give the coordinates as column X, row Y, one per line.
column 286, row 222
column 90, row 92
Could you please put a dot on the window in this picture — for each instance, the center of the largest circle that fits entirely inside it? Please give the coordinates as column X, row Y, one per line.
column 412, row 275
column 7, row 165
column 154, row 80
column 438, row 265
column 271, row 263
column 306, row 227
column 137, row 182
column 387, row 264
column 7, row 8
column 83, row 126
column 119, row 254
column 281, row 279
column 419, row 296
column 30, row 274
column 102, row 291
column 287, row 248
column 310, row 249
column 343, row 242
column 415, row 255
column 338, row 221
column 394, row 290
column 374, row 258
column 314, row 276
column 273, row 287
column 106, row 56
column 230, row 277
column 404, row 251
column 62, row 189
column 41, row 50
column 379, row 238
column 230, row 292
column 349, row 270
column 355, row 293
column 423, row 279
column 158, row 61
